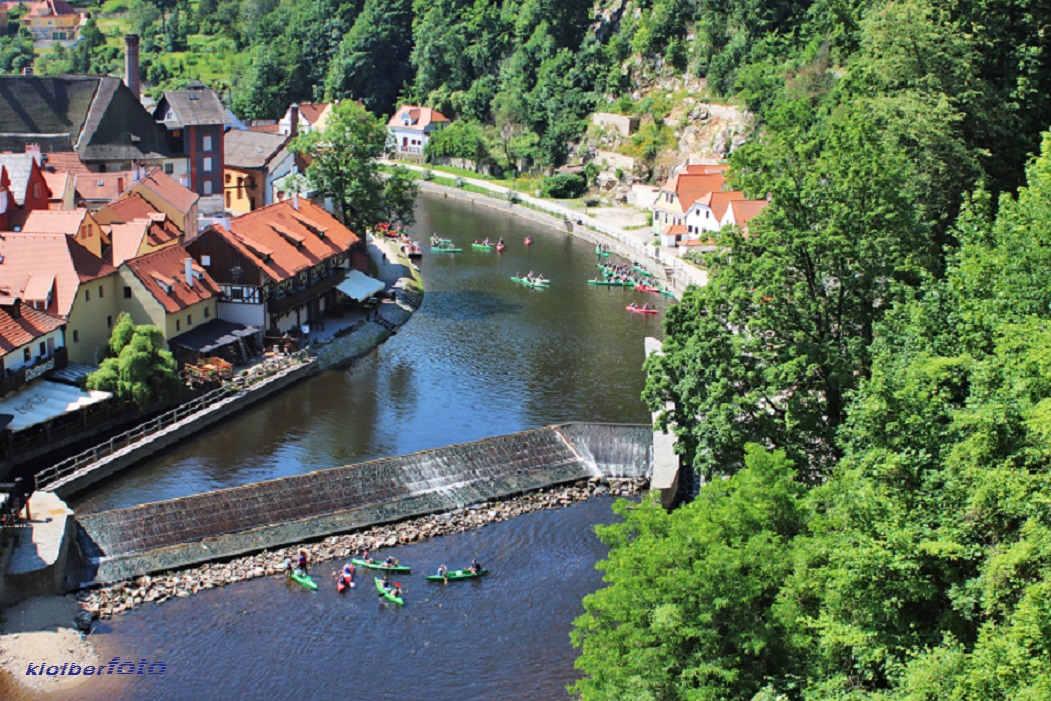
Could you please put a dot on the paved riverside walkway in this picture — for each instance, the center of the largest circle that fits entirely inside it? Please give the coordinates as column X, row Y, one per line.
column 633, row 244
column 37, row 563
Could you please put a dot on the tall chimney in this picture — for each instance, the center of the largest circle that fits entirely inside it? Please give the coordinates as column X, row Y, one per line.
column 293, row 112
column 189, row 272
column 131, row 63
column 120, row 183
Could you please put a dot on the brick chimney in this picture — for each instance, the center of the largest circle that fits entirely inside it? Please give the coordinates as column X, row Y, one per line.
column 34, row 151
column 120, row 183
column 293, row 129
column 131, row 63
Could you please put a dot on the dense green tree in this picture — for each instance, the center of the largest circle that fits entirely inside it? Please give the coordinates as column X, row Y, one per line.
column 343, row 166
column 687, row 608
column 140, row 368
column 261, row 92
column 372, row 63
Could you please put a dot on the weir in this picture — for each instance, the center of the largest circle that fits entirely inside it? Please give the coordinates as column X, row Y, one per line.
column 220, row 524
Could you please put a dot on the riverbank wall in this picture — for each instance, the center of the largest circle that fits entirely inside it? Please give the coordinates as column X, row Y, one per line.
column 218, row 525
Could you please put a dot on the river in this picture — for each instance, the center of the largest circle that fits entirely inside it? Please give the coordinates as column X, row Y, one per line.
column 483, row 356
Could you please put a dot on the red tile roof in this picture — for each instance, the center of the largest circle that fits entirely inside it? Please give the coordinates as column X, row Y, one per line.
column 57, row 183
column 689, row 187
column 57, row 256
column 265, row 128
column 744, row 210
column 163, row 273
column 419, row 117
column 50, row 8
column 102, row 187
column 128, row 208
column 169, row 190
column 311, row 111
column 126, row 240
column 282, row 241
column 67, row 162
column 705, row 168
column 675, row 229
column 26, row 328
column 719, row 201
column 55, row 221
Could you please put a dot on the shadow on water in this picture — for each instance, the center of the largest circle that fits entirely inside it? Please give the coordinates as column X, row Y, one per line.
column 467, row 305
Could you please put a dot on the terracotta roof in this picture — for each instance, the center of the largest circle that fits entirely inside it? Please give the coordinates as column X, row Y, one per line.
column 163, row 273
column 128, row 208
column 268, row 237
column 101, row 187
column 706, row 168
column 57, row 183
column 744, row 210
column 719, row 201
column 419, row 117
column 675, row 229
column 26, row 328
column 26, row 256
column 126, row 239
column 311, row 111
column 55, row 221
column 698, row 242
column 68, row 162
column 169, row 190
column 261, row 129
column 689, row 187
column 50, row 7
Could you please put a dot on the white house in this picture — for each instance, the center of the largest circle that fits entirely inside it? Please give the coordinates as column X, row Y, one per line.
column 707, row 212
column 411, row 127
column 307, row 116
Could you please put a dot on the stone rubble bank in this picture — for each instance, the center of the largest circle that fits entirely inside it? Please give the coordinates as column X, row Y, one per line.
column 123, row 596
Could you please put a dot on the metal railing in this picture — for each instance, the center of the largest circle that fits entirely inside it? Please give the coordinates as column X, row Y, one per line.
column 242, row 382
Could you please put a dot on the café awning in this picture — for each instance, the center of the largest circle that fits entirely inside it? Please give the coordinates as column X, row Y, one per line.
column 43, row 400
column 359, row 286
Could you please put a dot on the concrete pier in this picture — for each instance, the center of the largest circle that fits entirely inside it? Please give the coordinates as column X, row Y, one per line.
column 35, row 562
column 665, row 461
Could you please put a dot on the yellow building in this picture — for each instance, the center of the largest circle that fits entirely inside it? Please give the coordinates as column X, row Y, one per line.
column 52, row 20
column 162, row 289
column 76, row 223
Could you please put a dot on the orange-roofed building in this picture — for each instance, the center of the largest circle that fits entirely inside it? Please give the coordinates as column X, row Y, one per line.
column 304, row 118
column 678, row 194
column 7, row 200
column 63, row 162
column 29, row 341
column 52, row 20
column 740, row 212
column 707, row 212
column 75, row 223
column 174, row 199
column 278, row 266
column 55, row 274
column 94, row 190
column 128, row 208
column 141, row 236
column 25, row 181
column 62, row 190
column 169, row 290
column 411, row 126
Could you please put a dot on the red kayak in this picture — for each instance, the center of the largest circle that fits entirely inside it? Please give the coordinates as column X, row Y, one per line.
column 643, row 288
column 528, row 240
column 640, row 310
column 501, row 248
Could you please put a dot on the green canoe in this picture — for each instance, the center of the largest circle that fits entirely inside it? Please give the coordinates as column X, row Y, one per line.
column 611, row 283
column 445, row 249
column 380, row 566
column 601, row 253
column 667, row 293
column 305, row 580
column 529, row 283
column 642, row 271
column 388, row 595
column 482, row 246
column 457, row 574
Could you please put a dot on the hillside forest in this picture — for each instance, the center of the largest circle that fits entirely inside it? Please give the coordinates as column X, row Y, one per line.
column 862, row 392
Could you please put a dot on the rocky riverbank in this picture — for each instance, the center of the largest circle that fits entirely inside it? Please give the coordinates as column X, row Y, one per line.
column 123, row 596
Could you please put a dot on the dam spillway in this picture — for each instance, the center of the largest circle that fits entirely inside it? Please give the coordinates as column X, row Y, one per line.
column 220, row 524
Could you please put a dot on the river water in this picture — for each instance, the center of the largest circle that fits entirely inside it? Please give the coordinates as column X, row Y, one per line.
column 483, row 356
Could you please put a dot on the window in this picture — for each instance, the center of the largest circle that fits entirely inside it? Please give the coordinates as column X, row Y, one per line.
column 43, row 348
column 36, row 190
column 207, row 312
column 127, row 292
column 100, row 292
column 206, row 261
column 87, row 295
column 169, row 168
column 109, row 322
column 76, row 337
column 207, row 143
column 228, row 200
column 27, row 354
column 207, row 164
column 237, row 293
column 207, row 187
column 189, row 319
column 177, row 326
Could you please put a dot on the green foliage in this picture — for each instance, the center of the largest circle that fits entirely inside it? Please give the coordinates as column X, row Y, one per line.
column 140, row 368
column 564, row 186
column 344, row 168
column 16, row 53
column 462, row 139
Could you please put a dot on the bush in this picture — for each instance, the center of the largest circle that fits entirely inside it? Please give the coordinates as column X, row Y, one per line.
column 564, row 186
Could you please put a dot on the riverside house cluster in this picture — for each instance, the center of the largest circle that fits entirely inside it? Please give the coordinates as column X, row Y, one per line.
column 171, row 212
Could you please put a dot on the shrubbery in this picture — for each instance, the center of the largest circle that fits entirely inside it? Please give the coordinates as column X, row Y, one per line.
column 564, row 186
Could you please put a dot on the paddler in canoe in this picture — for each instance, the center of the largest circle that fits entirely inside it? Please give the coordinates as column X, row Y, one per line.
column 302, row 562
column 366, row 556
column 475, row 568
column 390, row 562
column 443, row 571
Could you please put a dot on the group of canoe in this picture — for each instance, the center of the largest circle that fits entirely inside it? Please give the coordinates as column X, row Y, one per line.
column 444, row 245
column 634, row 277
column 537, row 282
column 392, row 592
